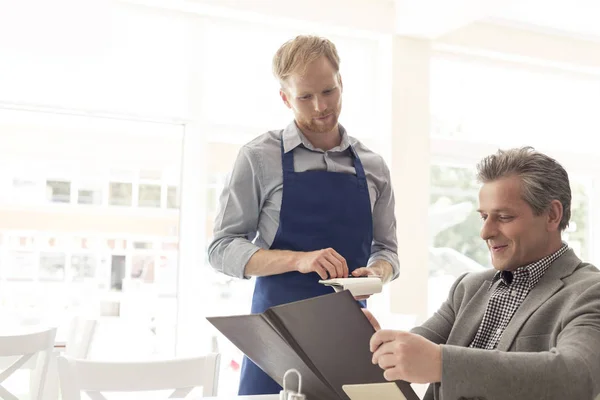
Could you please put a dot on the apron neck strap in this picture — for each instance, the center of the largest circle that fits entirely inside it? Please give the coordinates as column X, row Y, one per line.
column 287, row 162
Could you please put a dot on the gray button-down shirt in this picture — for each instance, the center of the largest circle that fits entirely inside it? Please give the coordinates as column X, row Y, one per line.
column 249, row 205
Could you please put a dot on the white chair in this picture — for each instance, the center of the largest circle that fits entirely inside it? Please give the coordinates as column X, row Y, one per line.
column 23, row 347
column 180, row 375
column 80, row 337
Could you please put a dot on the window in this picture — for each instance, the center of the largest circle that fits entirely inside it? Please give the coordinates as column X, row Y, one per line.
column 149, row 195
column 117, row 272
column 142, row 245
column 61, row 261
column 455, row 246
column 453, row 222
column 21, row 259
column 577, row 234
column 120, row 194
column 58, row 191
column 89, row 194
column 52, row 266
column 89, row 197
column 173, row 197
column 20, row 265
column 27, row 190
column 143, row 268
column 83, row 267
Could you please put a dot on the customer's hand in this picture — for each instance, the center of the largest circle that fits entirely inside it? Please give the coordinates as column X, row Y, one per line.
column 372, row 319
column 324, row 262
column 407, row 356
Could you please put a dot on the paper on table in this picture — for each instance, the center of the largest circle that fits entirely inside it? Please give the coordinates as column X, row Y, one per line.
column 379, row 391
column 362, row 286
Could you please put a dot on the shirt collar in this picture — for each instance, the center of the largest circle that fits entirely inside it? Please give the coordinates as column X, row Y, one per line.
column 293, row 137
column 531, row 273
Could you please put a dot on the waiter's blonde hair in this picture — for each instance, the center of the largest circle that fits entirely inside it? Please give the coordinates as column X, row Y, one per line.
column 294, row 55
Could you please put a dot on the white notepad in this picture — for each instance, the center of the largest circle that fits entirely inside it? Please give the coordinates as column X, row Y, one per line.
column 362, row 286
column 370, row 391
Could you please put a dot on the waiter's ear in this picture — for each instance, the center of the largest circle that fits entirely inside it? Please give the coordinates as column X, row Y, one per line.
column 284, row 97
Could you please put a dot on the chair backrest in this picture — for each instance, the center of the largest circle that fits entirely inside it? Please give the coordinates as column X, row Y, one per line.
column 80, row 337
column 23, row 347
column 181, row 375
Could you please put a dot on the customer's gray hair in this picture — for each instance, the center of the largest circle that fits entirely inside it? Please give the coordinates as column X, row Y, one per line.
column 543, row 178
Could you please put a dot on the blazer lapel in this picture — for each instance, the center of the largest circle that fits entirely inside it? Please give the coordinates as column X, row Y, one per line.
column 468, row 319
column 549, row 284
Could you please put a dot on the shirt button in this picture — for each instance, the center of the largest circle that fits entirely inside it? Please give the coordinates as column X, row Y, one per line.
column 498, row 331
column 513, row 293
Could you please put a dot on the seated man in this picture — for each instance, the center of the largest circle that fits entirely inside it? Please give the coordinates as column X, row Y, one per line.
column 529, row 328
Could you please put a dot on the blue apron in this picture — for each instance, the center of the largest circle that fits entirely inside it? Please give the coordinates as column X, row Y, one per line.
column 319, row 209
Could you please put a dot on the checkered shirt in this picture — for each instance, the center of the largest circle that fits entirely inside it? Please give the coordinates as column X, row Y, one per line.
column 510, row 289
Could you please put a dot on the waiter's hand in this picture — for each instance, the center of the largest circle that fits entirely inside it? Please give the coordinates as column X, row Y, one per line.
column 367, row 271
column 406, row 356
column 323, row 262
column 380, row 268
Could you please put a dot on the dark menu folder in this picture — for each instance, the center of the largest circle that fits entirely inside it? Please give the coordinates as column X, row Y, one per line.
column 325, row 338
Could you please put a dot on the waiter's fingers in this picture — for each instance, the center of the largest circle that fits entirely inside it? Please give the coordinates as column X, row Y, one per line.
column 320, row 270
column 325, row 263
column 339, row 267
column 363, row 271
column 343, row 261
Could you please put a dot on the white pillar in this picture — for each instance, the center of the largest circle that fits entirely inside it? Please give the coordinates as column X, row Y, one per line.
column 410, row 164
column 190, row 310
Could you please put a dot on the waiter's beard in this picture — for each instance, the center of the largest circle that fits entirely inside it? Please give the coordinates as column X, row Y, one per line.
column 312, row 125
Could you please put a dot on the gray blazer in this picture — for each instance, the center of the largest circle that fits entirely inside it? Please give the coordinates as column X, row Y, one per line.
column 550, row 349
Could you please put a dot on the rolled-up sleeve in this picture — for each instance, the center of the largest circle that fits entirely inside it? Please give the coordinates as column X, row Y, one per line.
column 385, row 242
column 237, row 218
